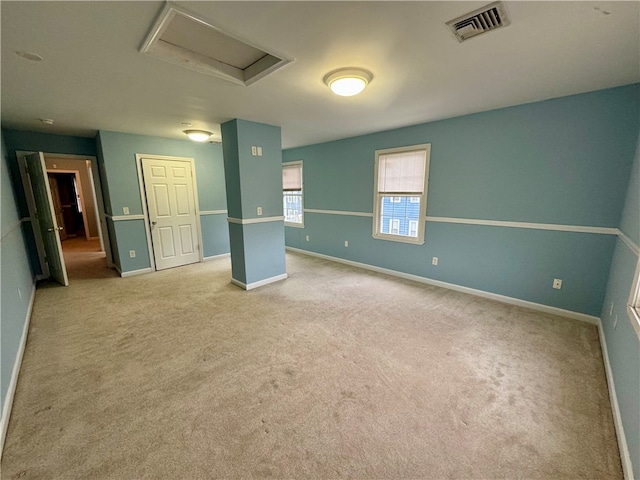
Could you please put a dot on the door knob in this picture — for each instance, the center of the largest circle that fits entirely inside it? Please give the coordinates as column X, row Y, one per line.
column 154, row 223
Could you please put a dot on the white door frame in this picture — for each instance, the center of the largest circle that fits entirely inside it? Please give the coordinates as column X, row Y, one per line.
column 80, row 194
column 97, row 197
column 145, row 210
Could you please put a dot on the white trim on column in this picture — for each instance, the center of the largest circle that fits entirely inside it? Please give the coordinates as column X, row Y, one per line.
column 249, row 221
column 266, row 281
column 213, row 212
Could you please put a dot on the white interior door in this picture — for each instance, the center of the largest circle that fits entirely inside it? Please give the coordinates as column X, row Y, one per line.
column 46, row 217
column 172, row 212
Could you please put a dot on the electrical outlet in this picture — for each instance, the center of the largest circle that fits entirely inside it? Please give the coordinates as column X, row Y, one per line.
column 307, row 238
column 346, row 243
column 132, row 253
column 615, row 321
column 254, row 151
column 259, row 209
column 557, row 283
column 19, row 293
column 611, row 309
column 259, row 151
column 125, row 210
column 434, row 261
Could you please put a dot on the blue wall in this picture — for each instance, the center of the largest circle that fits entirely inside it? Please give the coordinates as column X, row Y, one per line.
column 563, row 161
column 15, row 274
column 117, row 164
column 622, row 341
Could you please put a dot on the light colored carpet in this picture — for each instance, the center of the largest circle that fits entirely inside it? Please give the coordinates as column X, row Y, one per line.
column 333, row 373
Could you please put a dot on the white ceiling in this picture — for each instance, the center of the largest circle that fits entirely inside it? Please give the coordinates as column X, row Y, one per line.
column 93, row 77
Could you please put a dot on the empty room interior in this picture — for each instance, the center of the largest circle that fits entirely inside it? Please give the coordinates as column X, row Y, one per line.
column 320, row 239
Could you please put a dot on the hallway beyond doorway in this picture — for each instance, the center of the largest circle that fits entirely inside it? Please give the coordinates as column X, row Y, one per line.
column 84, row 259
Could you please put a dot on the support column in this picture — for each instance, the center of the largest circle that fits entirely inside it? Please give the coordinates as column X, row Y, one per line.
column 253, row 176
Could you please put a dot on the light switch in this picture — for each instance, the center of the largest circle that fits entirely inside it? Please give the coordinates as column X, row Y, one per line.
column 259, row 151
column 125, row 210
column 259, row 211
column 254, row 151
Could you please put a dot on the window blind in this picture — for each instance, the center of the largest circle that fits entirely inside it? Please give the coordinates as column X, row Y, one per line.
column 292, row 178
column 402, row 172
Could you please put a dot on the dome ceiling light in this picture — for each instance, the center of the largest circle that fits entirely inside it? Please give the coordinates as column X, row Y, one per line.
column 347, row 82
column 198, row 135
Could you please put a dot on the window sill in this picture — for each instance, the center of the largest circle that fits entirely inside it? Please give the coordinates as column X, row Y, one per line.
column 634, row 317
column 399, row 239
column 295, row 225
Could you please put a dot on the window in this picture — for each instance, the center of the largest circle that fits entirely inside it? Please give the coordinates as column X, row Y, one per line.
column 401, row 193
column 292, row 203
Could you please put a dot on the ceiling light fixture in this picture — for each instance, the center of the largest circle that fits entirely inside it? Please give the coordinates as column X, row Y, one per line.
column 47, row 121
column 198, row 135
column 348, row 81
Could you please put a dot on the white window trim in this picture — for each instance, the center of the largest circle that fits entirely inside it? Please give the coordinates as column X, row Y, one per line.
column 377, row 197
column 633, row 306
column 292, row 164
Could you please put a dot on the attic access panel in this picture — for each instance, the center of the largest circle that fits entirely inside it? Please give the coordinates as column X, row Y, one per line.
column 185, row 39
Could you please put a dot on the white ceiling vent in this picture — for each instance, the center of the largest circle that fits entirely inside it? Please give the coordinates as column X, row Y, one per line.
column 485, row 19
column 185, row 39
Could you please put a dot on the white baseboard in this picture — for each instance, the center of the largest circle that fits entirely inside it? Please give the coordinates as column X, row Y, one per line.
column 131, row 273
column 627, row 466
column 8, row 400
column 451, row 286
column 215, row 257
column 266, row 281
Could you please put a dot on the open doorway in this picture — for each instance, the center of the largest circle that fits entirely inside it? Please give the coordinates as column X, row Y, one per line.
column 70, row 190
column 76, row 210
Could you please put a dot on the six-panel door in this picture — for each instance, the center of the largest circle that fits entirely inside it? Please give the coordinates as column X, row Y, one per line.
column 172, row 212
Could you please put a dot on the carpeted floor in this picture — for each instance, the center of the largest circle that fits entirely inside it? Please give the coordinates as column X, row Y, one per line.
column 333, row 373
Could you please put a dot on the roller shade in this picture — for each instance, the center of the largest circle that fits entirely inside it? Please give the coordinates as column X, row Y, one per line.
column 292, row 178
column 402, row 172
